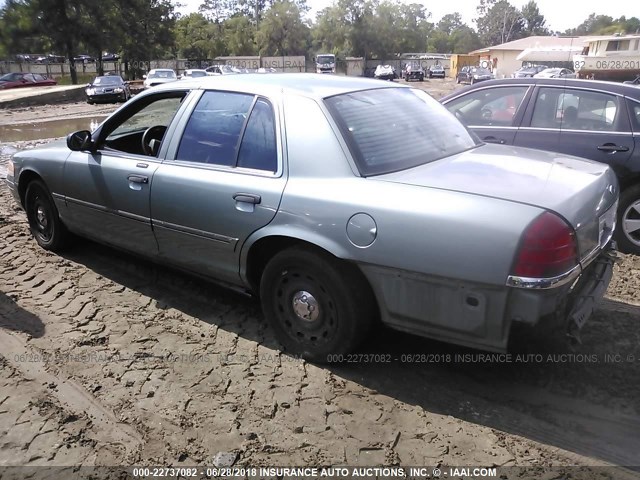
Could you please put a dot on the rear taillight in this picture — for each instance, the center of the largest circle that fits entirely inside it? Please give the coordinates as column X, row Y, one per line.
column 548, row 248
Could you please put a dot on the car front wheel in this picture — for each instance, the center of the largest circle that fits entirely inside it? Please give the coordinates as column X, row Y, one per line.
column 318, row 305
column 44, row 221
column 628, row 228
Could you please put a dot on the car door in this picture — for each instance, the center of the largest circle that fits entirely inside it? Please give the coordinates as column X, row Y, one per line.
column 107, row 191
column 582, row 122
column 224, row 181
column 599, row 129
column 493, row 113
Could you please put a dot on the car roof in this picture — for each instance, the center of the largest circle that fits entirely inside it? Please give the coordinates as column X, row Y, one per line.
column 161, row 70
column 306, row 84
column 613, row 87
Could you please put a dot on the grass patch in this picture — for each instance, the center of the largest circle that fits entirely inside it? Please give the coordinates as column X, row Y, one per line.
column 83, row 79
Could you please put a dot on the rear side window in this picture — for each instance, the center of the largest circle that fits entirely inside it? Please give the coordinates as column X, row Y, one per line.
column 634, row 108
column 258, row 149
column 571, row 109
column 213, row 132
column 393, row 129
column 231, row 129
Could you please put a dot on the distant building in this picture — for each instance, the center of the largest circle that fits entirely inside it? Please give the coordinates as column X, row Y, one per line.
column 506, row 58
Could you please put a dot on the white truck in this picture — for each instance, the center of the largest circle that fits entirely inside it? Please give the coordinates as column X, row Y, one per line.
column 325, row 63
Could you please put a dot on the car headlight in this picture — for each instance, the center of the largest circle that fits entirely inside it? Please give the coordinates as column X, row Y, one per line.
column 475, row 76
column 117, row 90
column 11, row 169
column 90, row 91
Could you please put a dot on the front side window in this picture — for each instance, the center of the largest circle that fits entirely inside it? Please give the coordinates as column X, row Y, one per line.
column 488, row 107
column 140, row 128
column 393, row 129
column 213, row 132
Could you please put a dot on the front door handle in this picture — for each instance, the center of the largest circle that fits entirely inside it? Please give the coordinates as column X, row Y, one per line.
column 612, row 148
column 247, row 198
column 492, row 139
column 138, row 178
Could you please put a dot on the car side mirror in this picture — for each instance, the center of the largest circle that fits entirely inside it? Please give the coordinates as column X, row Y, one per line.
column 78, row 141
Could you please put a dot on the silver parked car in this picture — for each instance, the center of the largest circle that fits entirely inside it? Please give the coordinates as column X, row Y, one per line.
column 337, row 201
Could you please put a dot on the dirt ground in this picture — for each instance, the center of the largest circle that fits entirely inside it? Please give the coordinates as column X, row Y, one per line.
column 106, row 359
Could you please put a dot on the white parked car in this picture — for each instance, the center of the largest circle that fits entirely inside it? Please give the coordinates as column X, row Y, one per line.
column 194, row 73
column 555, row 73
column 158, row 76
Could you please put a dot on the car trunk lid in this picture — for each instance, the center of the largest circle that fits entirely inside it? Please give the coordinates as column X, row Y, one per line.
column 579, row 190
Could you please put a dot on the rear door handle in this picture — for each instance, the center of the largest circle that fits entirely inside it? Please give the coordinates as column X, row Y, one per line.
column 138, row 178
column 247, row 198
column 492, row 139
column 612, row 147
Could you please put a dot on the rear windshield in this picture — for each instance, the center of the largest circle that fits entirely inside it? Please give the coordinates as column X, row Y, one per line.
column 392, row 129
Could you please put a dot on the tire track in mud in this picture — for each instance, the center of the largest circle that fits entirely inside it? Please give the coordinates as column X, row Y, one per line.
column 190, row 370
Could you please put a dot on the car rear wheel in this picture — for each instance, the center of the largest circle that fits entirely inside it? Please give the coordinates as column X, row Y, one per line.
column 628, row 228
column 44, row 221
column 317, row 305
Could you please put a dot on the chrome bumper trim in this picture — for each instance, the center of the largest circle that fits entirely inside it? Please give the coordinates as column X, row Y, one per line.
column 544, row 283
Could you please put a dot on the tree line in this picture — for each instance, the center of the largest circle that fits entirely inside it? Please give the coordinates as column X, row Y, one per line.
column 142, row 30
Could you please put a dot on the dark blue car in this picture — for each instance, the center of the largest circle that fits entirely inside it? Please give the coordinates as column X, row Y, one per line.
column 590, row 119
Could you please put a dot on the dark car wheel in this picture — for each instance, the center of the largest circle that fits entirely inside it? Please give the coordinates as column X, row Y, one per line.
column 317, row 305
column 44, row 221
column 628, row 228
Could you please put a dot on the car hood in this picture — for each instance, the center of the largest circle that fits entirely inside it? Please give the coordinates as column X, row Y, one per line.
column 575, row 188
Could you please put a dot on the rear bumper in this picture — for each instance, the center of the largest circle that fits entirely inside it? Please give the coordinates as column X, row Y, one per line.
column 481, row 315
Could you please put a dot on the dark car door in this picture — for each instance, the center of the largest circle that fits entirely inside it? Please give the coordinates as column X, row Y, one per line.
column 107, row 191
column 225, row 182
column 578, row 121
column 493, row 113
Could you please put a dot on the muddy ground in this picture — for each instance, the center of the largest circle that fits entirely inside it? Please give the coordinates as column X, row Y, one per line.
column 106, row 359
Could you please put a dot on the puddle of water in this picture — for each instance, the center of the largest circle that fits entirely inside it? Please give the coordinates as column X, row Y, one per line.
column 48, row 129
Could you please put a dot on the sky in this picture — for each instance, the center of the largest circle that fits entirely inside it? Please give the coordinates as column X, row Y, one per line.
column 560, row 14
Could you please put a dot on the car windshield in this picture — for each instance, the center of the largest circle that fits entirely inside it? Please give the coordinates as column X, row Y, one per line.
column 324, row 60
column 196, row 74
column 11, row 77
column 397, row 128
column 111, row 80
column 163, row 74
column 481, row 71
column 437, row 67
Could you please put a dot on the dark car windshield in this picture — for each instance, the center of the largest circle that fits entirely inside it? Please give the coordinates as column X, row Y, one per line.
column 324, row 60
column 111, row 80
column 397, row 128
column 11, row 77
column 480, row 71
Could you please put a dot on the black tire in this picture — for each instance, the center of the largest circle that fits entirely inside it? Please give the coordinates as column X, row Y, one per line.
column 44, row 220
column 628, row 198
column 334, row 294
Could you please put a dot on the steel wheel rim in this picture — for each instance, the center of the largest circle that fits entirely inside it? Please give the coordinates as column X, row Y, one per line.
column 41, row 219
column 631, row 223
column 321, row 323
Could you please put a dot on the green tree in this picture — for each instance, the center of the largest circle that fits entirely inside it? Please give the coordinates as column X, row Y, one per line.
column 533, row 20
column 282, row 31
column 198, row 38
column 501, row 22
column 240, row 36
column 330, row 32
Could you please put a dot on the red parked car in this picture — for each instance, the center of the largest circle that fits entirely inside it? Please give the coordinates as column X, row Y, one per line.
column 16, row 80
